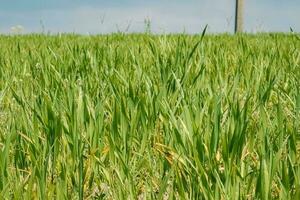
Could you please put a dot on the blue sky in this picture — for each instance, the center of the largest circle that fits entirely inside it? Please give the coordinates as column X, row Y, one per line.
column 105, row 16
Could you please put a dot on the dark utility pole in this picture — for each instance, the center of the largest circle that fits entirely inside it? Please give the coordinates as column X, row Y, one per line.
column 239, row 16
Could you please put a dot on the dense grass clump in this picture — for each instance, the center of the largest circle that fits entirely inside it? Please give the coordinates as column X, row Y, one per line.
column 150, row 117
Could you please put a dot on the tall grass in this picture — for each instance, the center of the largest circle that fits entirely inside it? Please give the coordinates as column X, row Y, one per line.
column 150, row 117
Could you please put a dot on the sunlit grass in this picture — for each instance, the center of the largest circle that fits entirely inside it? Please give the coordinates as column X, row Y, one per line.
column 150, row 117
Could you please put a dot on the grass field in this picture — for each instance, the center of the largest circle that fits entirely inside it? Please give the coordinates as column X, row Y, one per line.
column 150, row 117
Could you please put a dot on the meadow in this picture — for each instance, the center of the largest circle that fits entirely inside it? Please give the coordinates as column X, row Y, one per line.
column 144, row 116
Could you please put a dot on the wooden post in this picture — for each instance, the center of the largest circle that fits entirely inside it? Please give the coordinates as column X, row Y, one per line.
column 239, row 16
